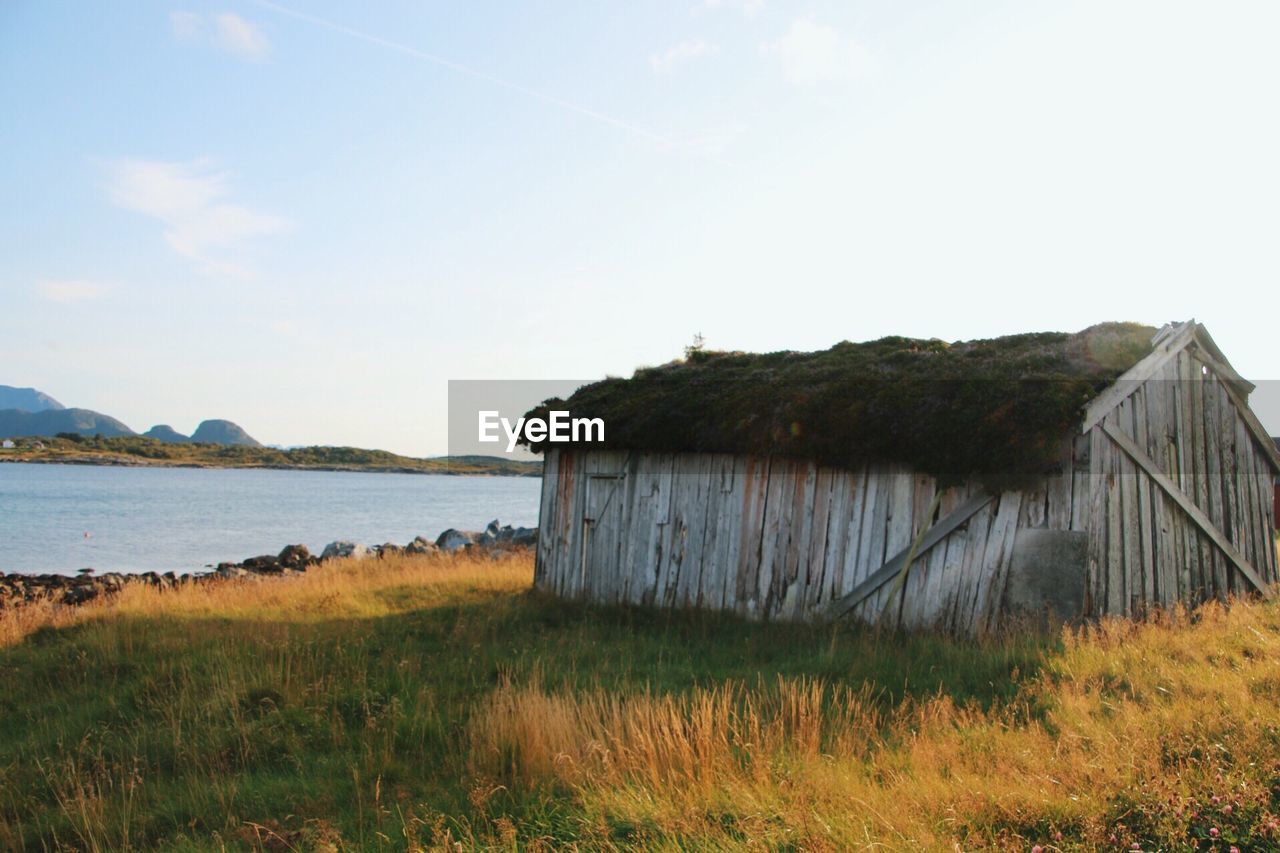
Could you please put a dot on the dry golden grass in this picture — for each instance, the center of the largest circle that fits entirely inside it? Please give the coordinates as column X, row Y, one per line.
column 1154, row 734
column 347, row 588
column 417, row 703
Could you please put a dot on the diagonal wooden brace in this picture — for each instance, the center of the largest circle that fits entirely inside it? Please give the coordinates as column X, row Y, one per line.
column 1188, row 506
column 923, row 543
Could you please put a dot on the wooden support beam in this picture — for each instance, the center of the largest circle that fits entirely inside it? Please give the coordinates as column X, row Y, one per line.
column 889, row 570
column 1266, row 446
column 1225, row 372
column 1193, row 512
column 1167, row 344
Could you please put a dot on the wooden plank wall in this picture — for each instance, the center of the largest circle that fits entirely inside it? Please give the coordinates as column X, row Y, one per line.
column 1144, row 551
column 774, row 538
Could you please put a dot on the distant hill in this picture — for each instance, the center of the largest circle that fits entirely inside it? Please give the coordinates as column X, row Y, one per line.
column 142, row 450
column 167, row 434
column 223, row 432
column 27, row 399
column 15, row 422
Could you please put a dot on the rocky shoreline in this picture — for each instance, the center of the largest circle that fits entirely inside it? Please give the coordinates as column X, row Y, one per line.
column 134, row 462
column 18, row 589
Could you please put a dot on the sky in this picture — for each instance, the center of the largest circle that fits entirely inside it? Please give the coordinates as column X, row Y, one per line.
column 309, row 216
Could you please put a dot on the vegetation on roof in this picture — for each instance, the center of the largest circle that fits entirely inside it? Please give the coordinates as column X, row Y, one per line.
column 987, row 407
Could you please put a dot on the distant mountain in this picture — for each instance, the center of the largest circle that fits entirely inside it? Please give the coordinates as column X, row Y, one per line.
column 28, row 412
column 222, row 432
column 27, row 399
column 167, row 434
column 15, row 422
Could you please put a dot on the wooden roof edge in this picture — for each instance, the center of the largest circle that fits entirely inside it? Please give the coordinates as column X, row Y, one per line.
column 1219, row 362
column 1171, row 339
column 1238, row 389
column 1266, row 444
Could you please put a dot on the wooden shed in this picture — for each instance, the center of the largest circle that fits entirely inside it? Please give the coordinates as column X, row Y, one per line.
column 917, row 484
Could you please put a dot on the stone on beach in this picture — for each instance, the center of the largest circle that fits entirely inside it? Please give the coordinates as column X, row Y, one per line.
column 343, row 548
column 86, row 585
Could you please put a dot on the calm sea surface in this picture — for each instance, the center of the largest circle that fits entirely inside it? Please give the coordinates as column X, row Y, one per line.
column 59, row 518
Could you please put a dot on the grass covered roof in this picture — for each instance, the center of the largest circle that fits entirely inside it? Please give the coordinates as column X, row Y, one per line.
column 998, row 407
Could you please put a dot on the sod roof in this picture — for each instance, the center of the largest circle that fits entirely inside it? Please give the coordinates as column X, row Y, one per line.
column 993, row 408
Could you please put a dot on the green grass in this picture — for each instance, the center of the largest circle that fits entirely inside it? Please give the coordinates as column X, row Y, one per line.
column 416, row 703
column 185, row 727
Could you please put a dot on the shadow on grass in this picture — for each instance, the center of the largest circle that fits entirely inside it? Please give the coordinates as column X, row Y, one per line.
column 361, row 721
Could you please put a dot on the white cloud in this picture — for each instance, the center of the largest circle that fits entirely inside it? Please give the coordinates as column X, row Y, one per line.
column 679, row 54
column 189, row 201
column 748, row 7
column 812, row 53
column 67, row 291
column 240, row 37
column 226, row 31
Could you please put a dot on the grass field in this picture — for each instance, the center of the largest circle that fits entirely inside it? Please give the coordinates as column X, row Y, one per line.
column 435, row 702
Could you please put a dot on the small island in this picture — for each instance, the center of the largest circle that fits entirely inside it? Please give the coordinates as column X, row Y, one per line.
column 137, row 450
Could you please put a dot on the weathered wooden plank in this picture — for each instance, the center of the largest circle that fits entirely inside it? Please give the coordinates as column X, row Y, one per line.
column 1193, row 512
column 729, row 523
column 1213, row 359
column 927, row 599
column 898, row 536
column 1262, row 441
column 637, row 523
column 614, row 584
column 890, row 569
column 1267, row 516
column 684, row 500
column 1199, row 447
column 1162, row 422
column 1082, row 481
column 1035, row 505
column 1145, row 586
column 695, row 523
column 710, row 593
column 1215, row 511
column 1116, row 603
column 1245, row 474
column 1096, row 521
column 1232, row 519
column 1189, row 570
column 663, row 509
column 950, row 577
column 755, row 500
column 800, row 530
column 996, row 561
column 789, row 533
column 858, row 534
column 1247, row 544
column 911, row 580
column 1058, row 490
column 979, row 528
column 1130, row 534
column 875, row 517
column 545, row 550
column 1134, row 377
column 575, row 497
column 843, row 484
column 1237, row 389
column 815, row 571
column 775, row 509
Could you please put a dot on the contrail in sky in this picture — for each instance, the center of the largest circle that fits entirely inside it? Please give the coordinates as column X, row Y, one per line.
column 470, row 72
